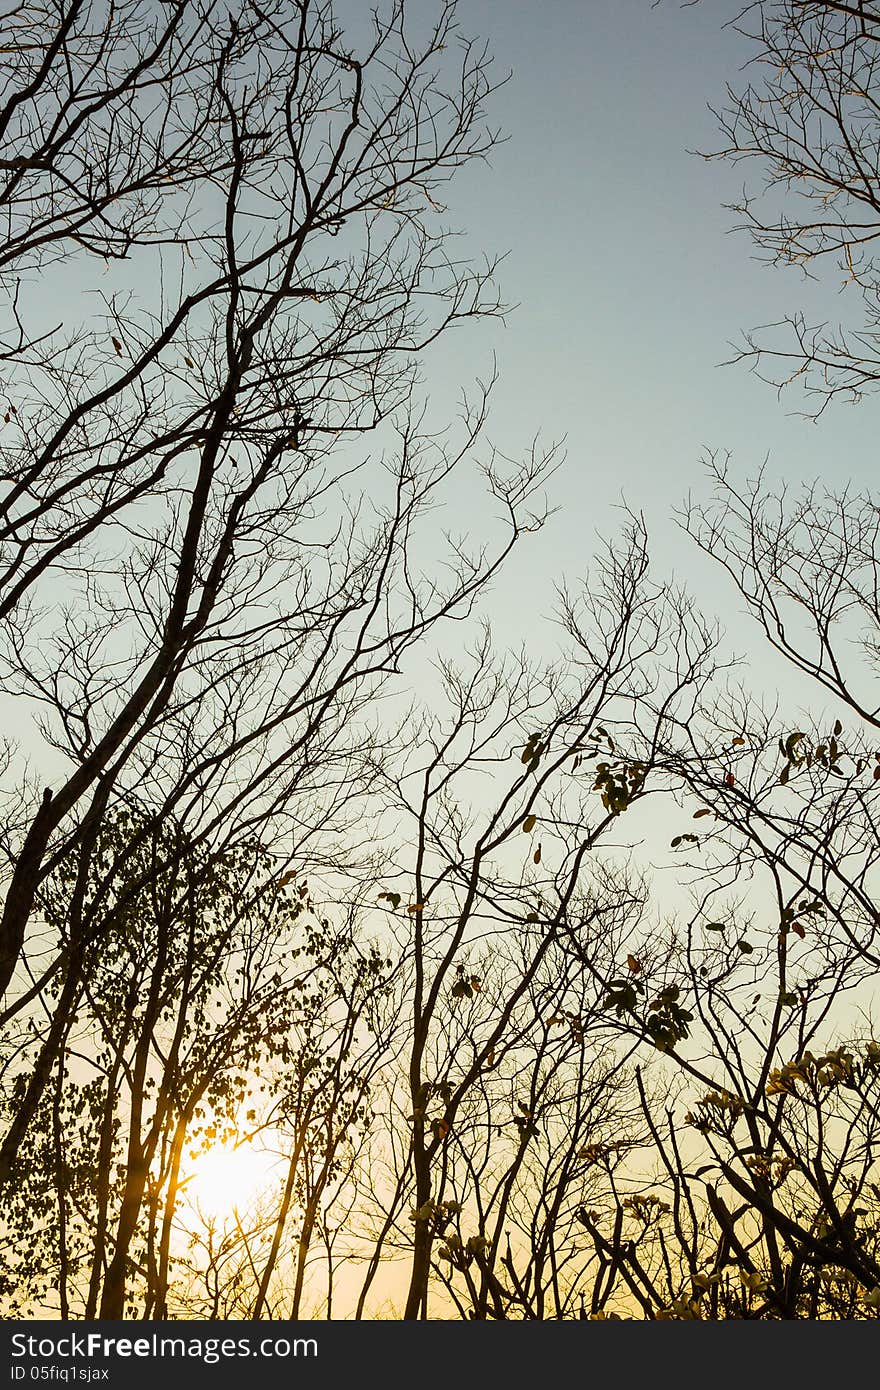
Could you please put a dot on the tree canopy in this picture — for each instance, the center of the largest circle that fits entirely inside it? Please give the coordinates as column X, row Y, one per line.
column 544, row 992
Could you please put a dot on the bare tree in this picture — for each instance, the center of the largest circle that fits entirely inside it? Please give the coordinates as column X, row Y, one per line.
column 546, row 993
column 808, row 118
column 201, row 598
column 767, row 1208
column 567, row 751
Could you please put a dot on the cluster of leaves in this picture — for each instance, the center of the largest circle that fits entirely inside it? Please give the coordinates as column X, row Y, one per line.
column 665, row 1022
column 799, row 751
column 839, row 1067
column 619, row 783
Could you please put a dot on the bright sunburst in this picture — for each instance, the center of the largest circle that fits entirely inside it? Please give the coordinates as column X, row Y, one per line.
column 227, row 1179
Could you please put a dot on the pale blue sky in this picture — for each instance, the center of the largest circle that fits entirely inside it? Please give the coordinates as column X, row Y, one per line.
column 629, row 284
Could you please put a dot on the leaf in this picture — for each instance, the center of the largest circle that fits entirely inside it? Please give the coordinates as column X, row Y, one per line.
column 730, row 780
column 798, row 929
column 188, row 361
column 117, row 345
column 536, row 857
column 737, row 742
column 532, row 750
column 784, row 774
column 703, row 811
column 838, row 728
column 529, row 823
column 714, row 926
column 754, row 1282
column 634, row 964
column 745, row 946
column 392, row 898
column 415, row 907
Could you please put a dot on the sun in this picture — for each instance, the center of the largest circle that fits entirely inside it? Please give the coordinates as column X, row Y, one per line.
column 230, row 1178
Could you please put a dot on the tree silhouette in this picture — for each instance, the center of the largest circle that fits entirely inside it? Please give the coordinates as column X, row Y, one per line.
column 548, row 988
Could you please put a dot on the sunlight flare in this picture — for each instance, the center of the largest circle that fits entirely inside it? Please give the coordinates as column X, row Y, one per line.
column 229, row 1179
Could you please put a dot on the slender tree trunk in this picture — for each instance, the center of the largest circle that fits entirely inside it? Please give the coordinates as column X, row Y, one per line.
column 103, row 1168
column 302, row 1252
column 140, row 1152
column 417, row 1294
column 61, row 1192
column 42, row 1072
column 161, row 1299
column 113, row 1293
column 280, row 1223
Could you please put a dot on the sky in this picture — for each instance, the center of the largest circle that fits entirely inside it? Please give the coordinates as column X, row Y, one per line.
column 630, row 288
column 630, row 284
